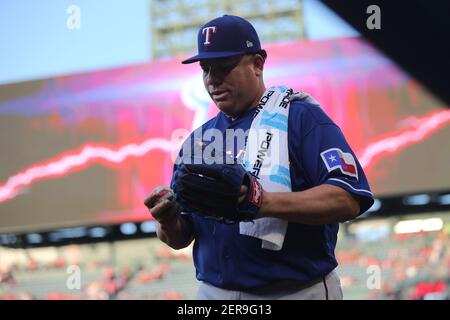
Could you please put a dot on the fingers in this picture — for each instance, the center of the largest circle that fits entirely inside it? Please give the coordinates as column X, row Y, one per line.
column 158, row 194
column 151, row 200
column 160, row 205
column 165, row 212
column 242, row 193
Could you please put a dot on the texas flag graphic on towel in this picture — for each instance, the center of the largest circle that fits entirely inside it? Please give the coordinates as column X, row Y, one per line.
column 334, row 158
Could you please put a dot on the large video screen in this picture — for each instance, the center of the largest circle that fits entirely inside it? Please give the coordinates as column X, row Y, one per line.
column 88, row 148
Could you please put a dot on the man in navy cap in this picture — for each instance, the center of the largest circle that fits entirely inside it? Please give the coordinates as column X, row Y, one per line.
column 315, row 182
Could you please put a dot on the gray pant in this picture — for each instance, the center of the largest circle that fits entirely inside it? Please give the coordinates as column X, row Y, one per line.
column 326, row 288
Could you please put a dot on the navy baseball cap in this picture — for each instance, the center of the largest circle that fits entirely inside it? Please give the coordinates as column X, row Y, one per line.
column 226, row 36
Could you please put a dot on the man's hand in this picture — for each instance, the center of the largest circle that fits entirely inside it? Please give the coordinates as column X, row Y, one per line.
column 162, row 207
column 172, row 229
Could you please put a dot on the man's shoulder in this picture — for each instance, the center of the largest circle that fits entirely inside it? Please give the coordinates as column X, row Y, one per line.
column 207, row 125
column 308, row 111
column 301, row 106
column 211, row 122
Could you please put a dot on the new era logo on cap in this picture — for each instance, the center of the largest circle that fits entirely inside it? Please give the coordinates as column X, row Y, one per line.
column 226, row 36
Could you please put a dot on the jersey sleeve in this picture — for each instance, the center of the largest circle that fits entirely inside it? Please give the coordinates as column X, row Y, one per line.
column 328, row 159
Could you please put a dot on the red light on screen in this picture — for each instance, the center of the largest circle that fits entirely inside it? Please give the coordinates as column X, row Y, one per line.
column 80, row 159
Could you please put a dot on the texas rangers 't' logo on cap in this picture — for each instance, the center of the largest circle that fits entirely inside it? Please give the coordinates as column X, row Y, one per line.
column 335, row 158
column 208, row 31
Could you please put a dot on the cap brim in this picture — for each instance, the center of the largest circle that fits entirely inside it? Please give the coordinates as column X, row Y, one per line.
column 212, row 55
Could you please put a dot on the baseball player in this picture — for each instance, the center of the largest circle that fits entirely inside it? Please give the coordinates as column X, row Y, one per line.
column 264, row 215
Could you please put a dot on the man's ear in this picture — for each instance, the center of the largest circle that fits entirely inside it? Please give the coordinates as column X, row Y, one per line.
column 258, row 64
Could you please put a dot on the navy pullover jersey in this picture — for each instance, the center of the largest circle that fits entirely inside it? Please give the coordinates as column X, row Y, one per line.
column 318, row 154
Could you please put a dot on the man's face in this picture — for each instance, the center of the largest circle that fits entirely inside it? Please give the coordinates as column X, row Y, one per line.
column 232, row 83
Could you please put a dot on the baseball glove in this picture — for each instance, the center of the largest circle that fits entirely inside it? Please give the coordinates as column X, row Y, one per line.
column 213, row 191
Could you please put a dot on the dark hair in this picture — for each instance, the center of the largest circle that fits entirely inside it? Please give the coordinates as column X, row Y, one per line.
column 263, row 53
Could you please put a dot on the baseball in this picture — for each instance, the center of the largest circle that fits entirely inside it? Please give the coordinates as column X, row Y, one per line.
column 162, row 193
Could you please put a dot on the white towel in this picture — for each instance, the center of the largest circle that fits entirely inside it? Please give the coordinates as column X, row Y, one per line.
column 267, row 156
